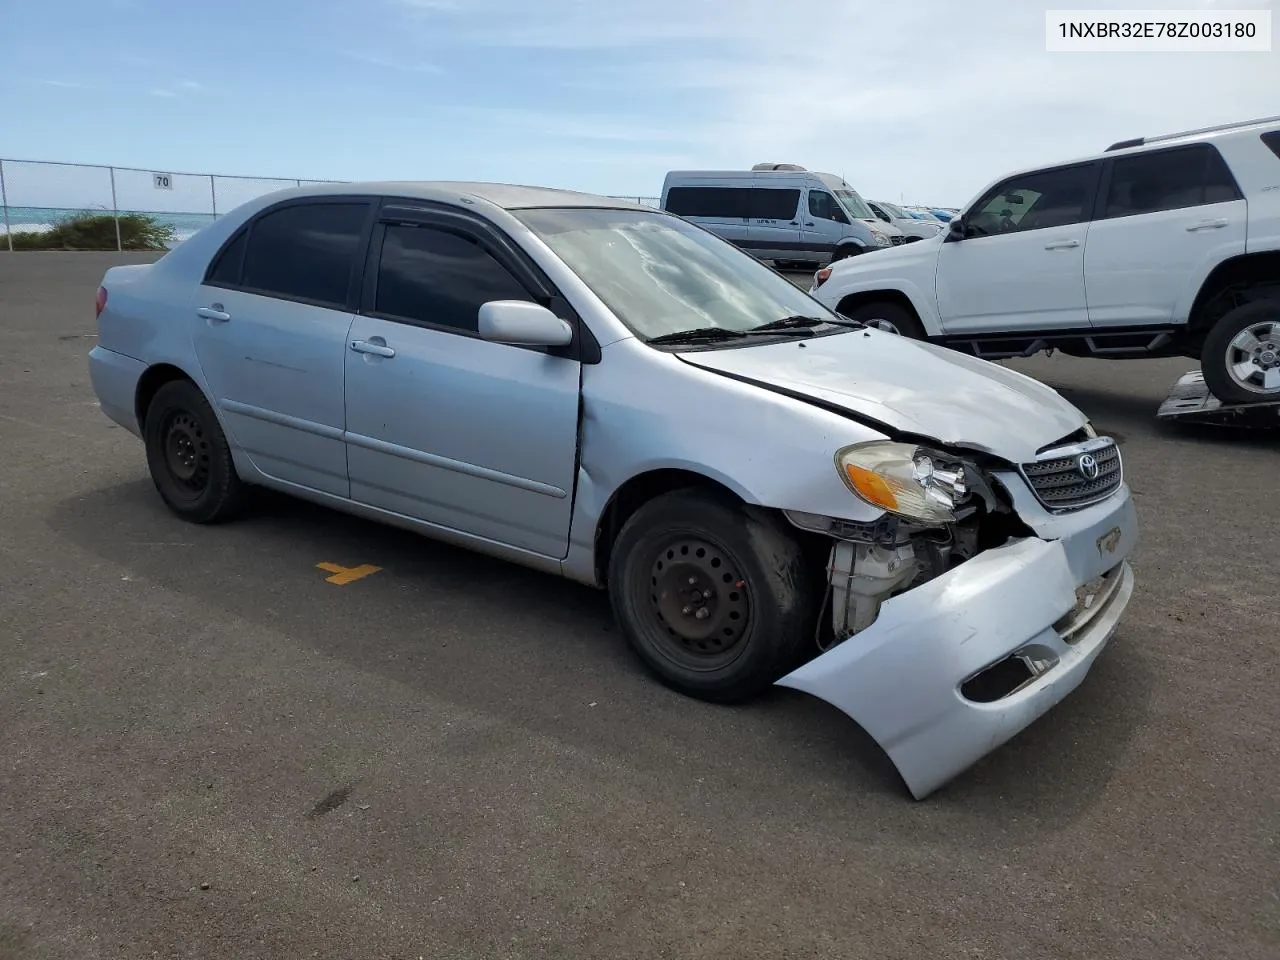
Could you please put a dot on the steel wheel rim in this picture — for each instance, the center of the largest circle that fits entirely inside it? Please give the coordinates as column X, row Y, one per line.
column 1253, row 358
column 699, row 601
column 186, row 452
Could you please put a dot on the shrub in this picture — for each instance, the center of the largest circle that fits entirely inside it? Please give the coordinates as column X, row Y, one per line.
column 97, row 231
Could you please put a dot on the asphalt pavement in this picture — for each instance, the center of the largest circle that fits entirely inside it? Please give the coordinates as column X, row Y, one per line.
column 209, row 749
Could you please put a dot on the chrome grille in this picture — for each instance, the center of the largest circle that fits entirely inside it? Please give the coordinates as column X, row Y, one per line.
column 898, row 239
column 1060, row 482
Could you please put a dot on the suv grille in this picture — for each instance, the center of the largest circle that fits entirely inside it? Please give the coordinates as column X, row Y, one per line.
column 1063, row 479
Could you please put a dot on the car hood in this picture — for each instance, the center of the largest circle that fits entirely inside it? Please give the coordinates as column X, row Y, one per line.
column 908, row 386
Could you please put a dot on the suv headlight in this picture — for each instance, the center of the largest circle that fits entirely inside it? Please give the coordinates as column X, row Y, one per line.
column 903, row 479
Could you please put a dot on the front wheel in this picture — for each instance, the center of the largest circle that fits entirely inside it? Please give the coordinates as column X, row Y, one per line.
column 888, row 316
column 188, row 456
column 1241, row 355
column 845, row 252
column 715, row 599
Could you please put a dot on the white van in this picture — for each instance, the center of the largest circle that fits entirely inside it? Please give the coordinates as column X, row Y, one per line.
column 784, row 213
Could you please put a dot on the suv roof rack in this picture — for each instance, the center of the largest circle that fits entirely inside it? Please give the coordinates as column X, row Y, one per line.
column 1143, row 141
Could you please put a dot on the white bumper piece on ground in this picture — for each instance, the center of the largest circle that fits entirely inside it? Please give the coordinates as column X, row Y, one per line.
column 1039, row 601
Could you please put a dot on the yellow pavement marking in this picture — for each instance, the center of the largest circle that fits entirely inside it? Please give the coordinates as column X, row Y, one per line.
column 344, row 575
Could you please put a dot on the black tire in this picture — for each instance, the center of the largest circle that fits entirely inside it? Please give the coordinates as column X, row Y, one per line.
column 1220, row 354
column 760, row 612
column 845, row 252
column 188, row 455
column 883, row 312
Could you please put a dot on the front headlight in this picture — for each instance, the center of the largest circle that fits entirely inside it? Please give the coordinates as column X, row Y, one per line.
column 903, row 479
column 882, row 240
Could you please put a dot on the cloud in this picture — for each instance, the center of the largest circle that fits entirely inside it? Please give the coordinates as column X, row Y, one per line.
column 65, row 84
column 192, row 85
column 163, row 93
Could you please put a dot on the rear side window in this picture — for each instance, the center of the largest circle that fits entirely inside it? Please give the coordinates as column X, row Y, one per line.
column 432, row 276
column 1168, row 180
column 771, row 204
column 1272, row 140
column 725, row 202
column 305, row 251
column 225, row 270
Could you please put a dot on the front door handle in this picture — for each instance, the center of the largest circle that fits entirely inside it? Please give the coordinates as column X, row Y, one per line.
column 1062, row 245
column 1207, row 225
column 214, row 312
column 377, row 349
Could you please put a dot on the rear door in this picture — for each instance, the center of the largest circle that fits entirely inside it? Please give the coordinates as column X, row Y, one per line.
column 270, row 334
column 1165, row 219
column 774, row 229
column 443, row 426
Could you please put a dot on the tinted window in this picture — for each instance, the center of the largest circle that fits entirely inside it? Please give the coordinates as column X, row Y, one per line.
column 823, row 204
column 226, row 269
column 434, row 276
column 1035, row 201
column 708, row 202
column 1167, row 180
column 771, row 204
column 1272, row 140
column 305, row 251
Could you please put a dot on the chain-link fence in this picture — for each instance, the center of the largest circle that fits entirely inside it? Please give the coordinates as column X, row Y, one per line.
column 36, row 196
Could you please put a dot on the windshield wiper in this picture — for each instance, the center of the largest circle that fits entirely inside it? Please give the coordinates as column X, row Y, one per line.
column 801, row 322
column 698, row 335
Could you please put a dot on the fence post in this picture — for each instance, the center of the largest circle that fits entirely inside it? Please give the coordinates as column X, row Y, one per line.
column 213, row 196
column 4, row 202
column 115, row 209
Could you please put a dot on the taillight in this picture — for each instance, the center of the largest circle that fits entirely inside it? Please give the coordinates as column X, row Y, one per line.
column 100, row 302
column 821, row 276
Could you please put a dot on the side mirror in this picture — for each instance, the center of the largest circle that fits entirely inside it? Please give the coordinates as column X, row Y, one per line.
column 955, row 228
column 523, row 324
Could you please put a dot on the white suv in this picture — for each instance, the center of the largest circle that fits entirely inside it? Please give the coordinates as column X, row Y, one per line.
column 1163, row 246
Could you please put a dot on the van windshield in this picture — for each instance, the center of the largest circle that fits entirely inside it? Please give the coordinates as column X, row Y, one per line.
column 854, row 205
column 662, row 275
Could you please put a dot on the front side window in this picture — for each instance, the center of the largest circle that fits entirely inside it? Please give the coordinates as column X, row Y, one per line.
column 823, row 205
column 305, row 251
column 1036, row 201
column 437, row 277
column 1168, row 180
column 661, row 275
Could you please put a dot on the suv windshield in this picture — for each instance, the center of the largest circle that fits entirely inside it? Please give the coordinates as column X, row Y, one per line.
column 893, row 210
column 854, row 205
column 662, row 275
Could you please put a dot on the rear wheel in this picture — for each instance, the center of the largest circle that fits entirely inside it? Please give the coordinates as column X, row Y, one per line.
column 188, row 456
column 715, row 599
column 888, row 316
column 1241, row 355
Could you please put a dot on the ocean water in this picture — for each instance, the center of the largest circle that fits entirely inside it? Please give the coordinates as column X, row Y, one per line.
column 24, row 219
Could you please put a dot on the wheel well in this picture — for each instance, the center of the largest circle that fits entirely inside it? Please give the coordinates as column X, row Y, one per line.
column 150, row 383
column 855, row 300
column 634, row 494
column 1235, row 282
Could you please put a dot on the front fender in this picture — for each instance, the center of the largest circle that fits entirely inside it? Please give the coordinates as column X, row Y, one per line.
column 836, row 289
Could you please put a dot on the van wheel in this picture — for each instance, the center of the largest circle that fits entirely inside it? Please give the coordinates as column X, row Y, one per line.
column 715, row 599
column 888, row 316
column 1241, row 355
column 188, row 456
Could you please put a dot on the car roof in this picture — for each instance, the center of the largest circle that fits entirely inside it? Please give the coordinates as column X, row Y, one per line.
column 508, row 196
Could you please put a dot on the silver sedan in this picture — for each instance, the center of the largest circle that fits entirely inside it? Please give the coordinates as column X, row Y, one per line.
column 769, row 492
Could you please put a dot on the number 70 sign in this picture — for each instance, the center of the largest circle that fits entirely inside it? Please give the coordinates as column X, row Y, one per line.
column 162, row 181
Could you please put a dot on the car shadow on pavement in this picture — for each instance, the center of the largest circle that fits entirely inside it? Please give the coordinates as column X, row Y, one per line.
column 1138, row 415
column 531, row 649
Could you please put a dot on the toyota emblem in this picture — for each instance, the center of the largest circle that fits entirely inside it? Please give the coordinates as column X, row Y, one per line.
column 1088, row 466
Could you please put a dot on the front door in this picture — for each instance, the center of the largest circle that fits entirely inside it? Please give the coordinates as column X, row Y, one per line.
column 825, row 225
column 1020, row 265
column 443, row 426
column 270, row 334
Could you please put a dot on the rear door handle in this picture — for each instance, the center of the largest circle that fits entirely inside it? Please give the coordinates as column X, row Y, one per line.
column 214, row 312
column 1062, row 245
column 377, row 349
column 1207, row 225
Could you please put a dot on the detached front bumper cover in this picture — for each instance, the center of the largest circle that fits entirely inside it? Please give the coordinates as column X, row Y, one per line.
column 901, row 677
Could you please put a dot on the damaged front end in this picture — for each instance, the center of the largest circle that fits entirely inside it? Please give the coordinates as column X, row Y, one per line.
column 967, row 609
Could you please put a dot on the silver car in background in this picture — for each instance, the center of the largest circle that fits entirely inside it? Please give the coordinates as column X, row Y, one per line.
column 769, row 492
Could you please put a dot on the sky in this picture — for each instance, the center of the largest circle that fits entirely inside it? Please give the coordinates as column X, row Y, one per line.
column 922, row 101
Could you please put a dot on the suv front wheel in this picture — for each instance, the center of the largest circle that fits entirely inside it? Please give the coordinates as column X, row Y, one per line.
column 1241, row 356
